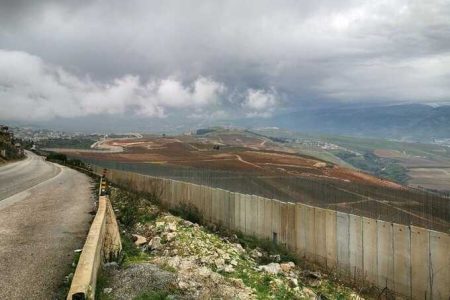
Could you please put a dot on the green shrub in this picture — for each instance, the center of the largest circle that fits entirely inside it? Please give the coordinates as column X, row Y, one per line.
column 57, row 157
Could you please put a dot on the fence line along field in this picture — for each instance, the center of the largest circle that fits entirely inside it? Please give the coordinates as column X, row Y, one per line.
column 256, row 165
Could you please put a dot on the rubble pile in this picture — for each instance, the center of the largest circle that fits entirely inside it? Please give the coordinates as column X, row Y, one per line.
column 208, row 265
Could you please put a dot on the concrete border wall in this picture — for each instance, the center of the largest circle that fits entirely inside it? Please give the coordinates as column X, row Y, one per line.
column 411, row 261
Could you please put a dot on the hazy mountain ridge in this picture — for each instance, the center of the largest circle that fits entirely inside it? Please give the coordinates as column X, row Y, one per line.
column 411, row 121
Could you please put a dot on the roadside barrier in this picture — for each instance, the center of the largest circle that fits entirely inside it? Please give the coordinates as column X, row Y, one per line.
column 102, row 244
column 411, row 261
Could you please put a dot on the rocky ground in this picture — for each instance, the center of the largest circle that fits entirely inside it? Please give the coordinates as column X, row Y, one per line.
column 168, row 257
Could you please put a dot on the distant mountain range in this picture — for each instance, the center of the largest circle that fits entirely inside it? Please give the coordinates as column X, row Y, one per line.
column 408, row 122
column 412, row 122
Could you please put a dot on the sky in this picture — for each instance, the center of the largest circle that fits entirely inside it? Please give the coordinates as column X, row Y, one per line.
column 217, row 60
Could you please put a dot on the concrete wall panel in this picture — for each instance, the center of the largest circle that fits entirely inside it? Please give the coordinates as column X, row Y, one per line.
column 299, row 236
column 248, row 214
column 420, row 271
column 330, row 239
column 237, row 212
column 243, row 202
column 320, row 236
column 208, row 203
column 232, row 211
column 402, row 259
column 227, row 209
column 356, row 247
column 343, row 237
column 252, row 215
column 276, row 221
column 370, row 249
column 218, row 206
column 267, row 218
column 440, row 265
column 385, row 255
column 260, row 226
column 291, row 236
column 308, row 218
column 284, row 215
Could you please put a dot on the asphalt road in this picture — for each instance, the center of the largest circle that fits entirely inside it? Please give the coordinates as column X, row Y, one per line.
column 44, row 216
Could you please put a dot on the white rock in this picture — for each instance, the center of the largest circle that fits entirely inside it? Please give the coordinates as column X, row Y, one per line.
column 187, row 223
column 219, row 262
column 107, row 291
column 172, row 227
column 155, row 243
column 272, row 268
column 139, row 240
column 228, row 269
column 286, row 267
column 293, row 282
column 204, row 272
column 255, row 253
column 233, row 262
column 183, row 285
column 309, row 293
column 171, row 236
column 239, row 248
column 159, row 224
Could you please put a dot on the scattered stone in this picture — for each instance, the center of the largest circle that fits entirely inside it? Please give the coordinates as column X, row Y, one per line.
column 239, row 248
column 272, row 268
column 159, row 224
column 188, row 223
column 155, row 243
column 172, row 227
column 228, row 269
column 139, row 240
column 293, row 282
column 183, row 285
column 286, row 267
column 233, row 262
column 219, row 262
column 107, row 291
column 171, row 236
column 255, row 253
column 309, row 293
column 78, row 250
column 204, row 272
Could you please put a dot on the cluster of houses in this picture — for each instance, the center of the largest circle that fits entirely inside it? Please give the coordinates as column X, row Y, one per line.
column 9, row 147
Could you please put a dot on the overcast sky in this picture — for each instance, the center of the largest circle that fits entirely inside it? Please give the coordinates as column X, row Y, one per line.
column 217, row 59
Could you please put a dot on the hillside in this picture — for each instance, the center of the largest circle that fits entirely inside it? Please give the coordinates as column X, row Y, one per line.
column 247, row 163
column 408, row 122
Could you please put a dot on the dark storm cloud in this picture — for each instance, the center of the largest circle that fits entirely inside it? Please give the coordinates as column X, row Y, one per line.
column 219, row 57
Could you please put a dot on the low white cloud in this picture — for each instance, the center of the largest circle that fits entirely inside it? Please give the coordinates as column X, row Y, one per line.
column 260, row 103
column 31, row 89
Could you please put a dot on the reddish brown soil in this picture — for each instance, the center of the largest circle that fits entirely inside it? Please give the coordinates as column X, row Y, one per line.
column 232, row 157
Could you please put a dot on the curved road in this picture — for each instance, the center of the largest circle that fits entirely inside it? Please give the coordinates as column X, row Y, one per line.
column 44, row 216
